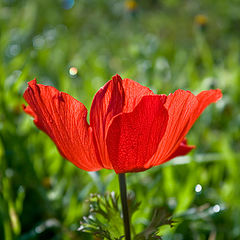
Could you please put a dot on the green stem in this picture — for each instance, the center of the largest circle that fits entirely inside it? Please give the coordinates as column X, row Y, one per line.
column 123, row 192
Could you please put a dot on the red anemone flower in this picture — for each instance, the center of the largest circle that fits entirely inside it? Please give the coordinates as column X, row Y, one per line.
column 131, row 129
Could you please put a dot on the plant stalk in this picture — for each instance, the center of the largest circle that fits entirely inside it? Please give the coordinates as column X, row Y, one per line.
column 123, row 193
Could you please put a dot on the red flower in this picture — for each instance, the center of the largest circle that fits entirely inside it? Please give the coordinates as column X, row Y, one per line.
column 131, row 129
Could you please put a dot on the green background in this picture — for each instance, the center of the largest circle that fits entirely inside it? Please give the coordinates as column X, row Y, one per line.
column 162, row 44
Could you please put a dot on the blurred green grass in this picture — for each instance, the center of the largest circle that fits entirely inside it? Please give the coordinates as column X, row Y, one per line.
column 161, row 44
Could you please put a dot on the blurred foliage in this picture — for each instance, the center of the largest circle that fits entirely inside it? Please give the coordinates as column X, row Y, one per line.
column 104, row 220
column 77, row 46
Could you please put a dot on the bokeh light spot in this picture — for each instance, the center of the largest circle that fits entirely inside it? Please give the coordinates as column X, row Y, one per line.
column 38, row 42
column 198, row 188
column 216, row 208
column 73, row 71
column 68, row 4
column 14, row 50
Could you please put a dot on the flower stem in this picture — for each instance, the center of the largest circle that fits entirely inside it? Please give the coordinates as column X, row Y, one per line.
column 123, row 192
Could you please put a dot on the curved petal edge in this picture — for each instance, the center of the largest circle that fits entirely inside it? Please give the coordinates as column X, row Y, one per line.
column 63, row 119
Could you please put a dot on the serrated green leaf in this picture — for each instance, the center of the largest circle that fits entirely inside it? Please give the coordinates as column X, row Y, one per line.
column 104, row 219
column 159, row 218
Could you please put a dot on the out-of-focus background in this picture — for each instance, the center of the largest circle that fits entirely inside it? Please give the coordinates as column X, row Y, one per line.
column 77, row 46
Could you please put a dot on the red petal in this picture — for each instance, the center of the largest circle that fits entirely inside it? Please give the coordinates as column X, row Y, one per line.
column 133, row 94
column 107, row 103
column 134, row 137
column 180, row 105
column 183, row 149
column 115, row 97
column 63, row 119
column 205, row 98
column 183, row 108
column 28, row 110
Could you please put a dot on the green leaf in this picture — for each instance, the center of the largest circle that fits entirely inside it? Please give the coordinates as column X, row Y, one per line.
column 104, row 219
column 159, row 218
